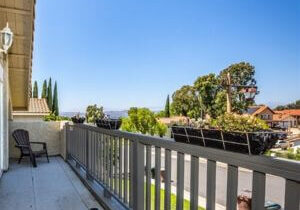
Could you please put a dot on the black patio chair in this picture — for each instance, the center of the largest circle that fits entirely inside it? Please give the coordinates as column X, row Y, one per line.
column 22, row 142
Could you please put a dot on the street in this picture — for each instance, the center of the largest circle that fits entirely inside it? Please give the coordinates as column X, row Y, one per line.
column 274, row 185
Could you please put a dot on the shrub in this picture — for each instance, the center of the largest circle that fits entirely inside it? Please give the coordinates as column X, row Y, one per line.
column 239, row 123
column 161, row 129
column 142, row 120
column 52, row 117
column 93, row 112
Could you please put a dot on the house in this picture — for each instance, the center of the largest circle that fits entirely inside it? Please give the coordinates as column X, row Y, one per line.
column 263, row 112
column 15, row 66
column 291, row 117
column 37, row 110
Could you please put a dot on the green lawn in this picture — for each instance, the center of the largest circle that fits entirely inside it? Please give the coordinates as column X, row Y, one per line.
column 186, row 204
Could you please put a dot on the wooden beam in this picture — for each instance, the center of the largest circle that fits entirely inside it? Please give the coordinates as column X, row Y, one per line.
column 15, row 11
column 18, row 69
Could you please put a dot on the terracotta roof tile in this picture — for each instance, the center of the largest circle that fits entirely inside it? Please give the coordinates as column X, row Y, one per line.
column 293, row 112
column 37, row 105
column 261, row 109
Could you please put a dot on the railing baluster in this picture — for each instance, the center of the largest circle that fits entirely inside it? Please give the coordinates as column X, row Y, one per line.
column 130, row 174
column 120, row 167
column 157, row 177
column 167, row 179
column 148, row 177
column 292, row 195
column 116, row 164
column 211, row 185
column 232, row 187
column 258, row 190
column 97, row 157
column 87, row 149
column 125, row 170
column 107, row 161
column 138, row 175
column 194, row 183
column 100, row 157
column 92, row 149
column 180, row 181
column 111, row 163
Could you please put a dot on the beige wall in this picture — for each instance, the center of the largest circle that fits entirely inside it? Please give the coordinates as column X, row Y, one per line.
column 50, row 132
column 34, row 118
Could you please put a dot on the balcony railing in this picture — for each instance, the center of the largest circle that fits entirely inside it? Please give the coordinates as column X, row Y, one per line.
column 121, row 163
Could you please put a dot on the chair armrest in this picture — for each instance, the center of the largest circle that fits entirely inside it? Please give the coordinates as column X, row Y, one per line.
column 35, row 142
column 22, row 146
column 42, row 143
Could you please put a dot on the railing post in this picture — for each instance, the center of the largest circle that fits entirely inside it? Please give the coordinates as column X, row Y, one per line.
column 138, row 175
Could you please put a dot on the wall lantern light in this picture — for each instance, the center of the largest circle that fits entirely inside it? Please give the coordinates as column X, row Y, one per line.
column 6, row 36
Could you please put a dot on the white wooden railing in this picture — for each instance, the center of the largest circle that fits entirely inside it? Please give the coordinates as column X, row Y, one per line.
column 121, row 163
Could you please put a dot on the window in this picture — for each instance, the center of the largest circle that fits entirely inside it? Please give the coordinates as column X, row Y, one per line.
column 265, row 117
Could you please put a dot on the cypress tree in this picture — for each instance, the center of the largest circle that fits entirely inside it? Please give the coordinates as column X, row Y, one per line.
column 49, row 96
column 44, row 91
column 35, row 93
column 55, row 109
column 167, row 107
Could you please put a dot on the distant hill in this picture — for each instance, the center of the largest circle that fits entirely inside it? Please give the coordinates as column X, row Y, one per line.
column 111, row 114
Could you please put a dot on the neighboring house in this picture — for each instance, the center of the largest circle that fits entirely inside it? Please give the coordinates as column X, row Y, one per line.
column 15, row 67
column 263, row 112
column 37, row 110
column 282, row 119
column 291, row 116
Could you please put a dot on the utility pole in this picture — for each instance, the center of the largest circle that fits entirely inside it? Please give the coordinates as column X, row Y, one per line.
column 228, row 94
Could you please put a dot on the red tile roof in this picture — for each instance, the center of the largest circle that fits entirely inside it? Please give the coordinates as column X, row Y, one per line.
column 293, row 112
column 261, row 109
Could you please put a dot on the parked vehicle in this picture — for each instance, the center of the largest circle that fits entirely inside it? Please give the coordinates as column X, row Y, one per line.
column 282, row 135
column 282, row 144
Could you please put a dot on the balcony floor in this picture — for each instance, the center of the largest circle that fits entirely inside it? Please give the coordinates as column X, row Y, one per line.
column 50, row 186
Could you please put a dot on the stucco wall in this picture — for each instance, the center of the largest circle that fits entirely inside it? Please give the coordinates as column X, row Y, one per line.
column 49, row 132
column 21, row 118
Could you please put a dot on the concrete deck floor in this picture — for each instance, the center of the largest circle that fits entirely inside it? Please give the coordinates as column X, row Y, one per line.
column 50, row 186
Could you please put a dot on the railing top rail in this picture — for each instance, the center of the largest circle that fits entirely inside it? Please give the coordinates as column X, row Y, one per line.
column 278, row 167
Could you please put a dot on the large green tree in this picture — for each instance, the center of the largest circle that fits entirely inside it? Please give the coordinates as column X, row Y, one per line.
column 241, row 74
column 208, row 94
column 49, row 96
column 184, row 101
column 44, row 91
column 295, row 105
column 93, row 112
column 55, row 109
column 35, row 93
column 167, row 107
column 206, row 88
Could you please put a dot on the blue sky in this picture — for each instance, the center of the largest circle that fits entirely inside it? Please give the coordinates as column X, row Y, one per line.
column 134, row 53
